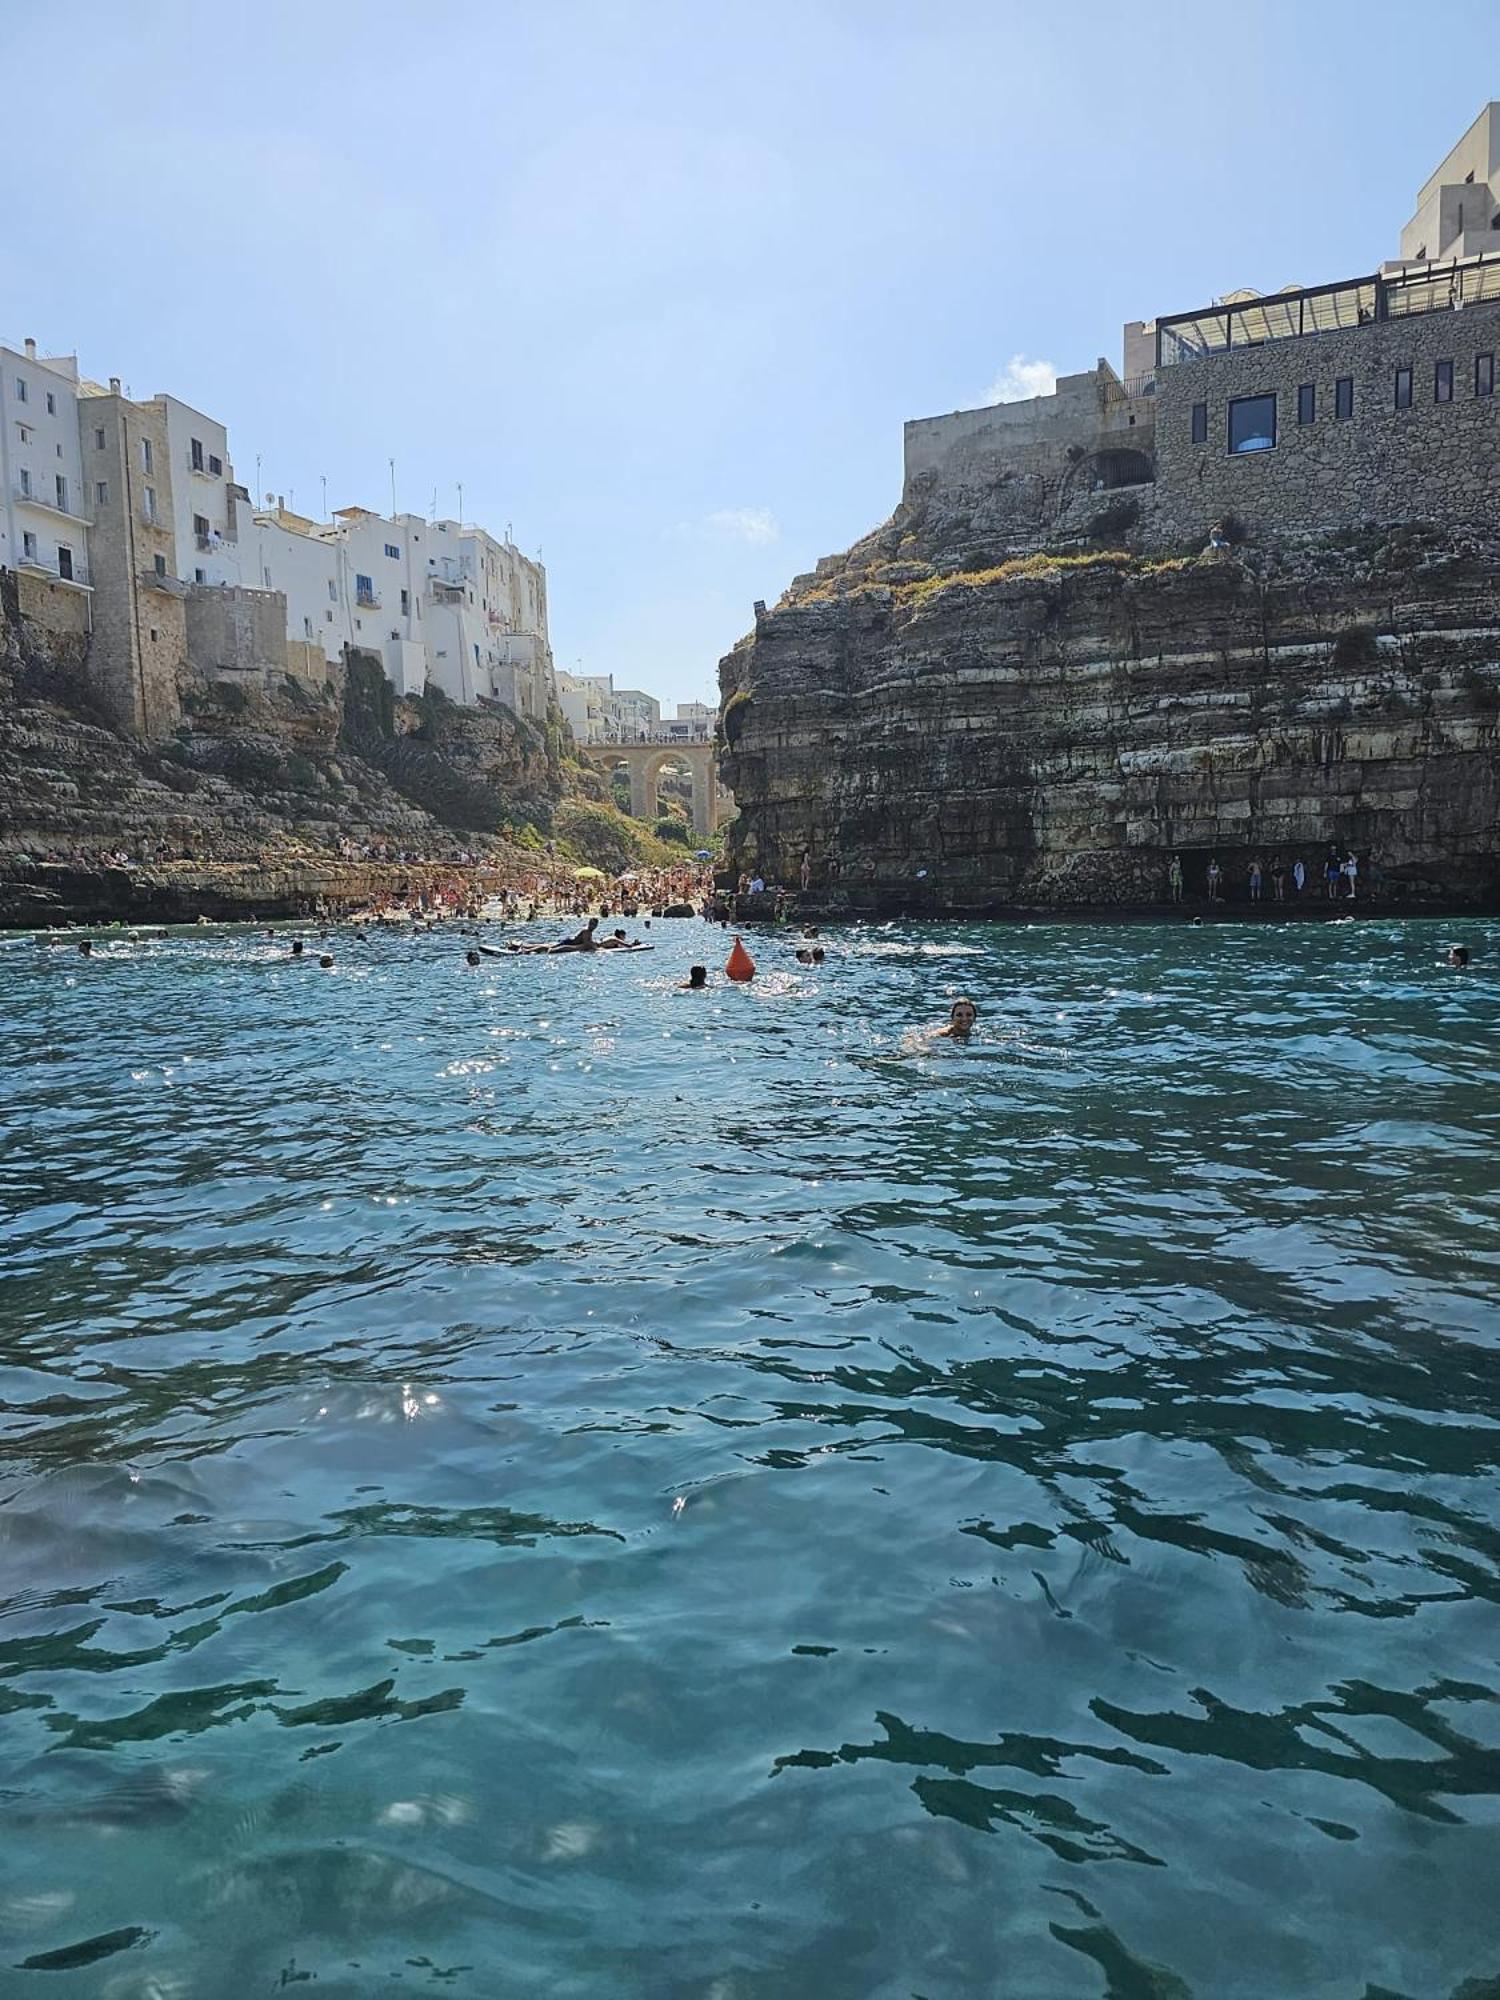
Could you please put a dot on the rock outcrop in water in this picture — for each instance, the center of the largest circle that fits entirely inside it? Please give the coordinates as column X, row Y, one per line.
column 937, row 724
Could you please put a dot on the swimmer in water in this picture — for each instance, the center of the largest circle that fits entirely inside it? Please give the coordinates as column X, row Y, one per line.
column 804, row 957
column 86, row 948
column 472, row 958
column 696, row 980
column 961, row 1018
column 1458, row 958
column 583, row 940
column 297, row 947
column 818, row 954
column 326, row 962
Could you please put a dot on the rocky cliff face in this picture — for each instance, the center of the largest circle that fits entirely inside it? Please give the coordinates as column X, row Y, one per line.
column 937, row 726
column 263, row 792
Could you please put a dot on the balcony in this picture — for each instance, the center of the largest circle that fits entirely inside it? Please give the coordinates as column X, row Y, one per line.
column 367, row 600
column 41, row 506
column 36, row 567
column 449, row 588
column 169, row 586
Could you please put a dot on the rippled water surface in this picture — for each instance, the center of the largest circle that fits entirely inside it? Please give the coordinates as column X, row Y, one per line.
column 531, row 1481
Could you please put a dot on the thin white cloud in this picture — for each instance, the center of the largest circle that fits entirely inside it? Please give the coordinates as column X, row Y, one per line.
column 755, row 526
column 1020, row 379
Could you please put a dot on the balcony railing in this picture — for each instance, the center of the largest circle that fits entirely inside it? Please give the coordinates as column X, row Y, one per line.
column 169, row 586
column 45, row 506
column 55, row 571
column 367, row 600
column 1356, row 302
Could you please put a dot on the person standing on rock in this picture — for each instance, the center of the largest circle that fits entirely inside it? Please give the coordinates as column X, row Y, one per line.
column 1333, row 870
column 1215, row 878
column 1278, row 879
column 1299, row 875
column 806, row 870
column 1351, row 871
column 1257, row 877
column 1174, row 878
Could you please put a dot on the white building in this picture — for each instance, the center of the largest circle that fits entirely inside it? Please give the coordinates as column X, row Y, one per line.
column 1458, row 211
column 44, row 505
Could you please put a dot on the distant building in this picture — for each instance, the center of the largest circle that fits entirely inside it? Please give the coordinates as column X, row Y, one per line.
column 1304, row 410
column 135, row 505
column 45, row 507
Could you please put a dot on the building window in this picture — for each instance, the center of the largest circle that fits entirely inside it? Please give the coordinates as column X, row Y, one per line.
column 98, row 440
column 1307, row 403
column 51, row 406
column 149, row 501
column 160, row 564
column 20, row 388
column 200, row 526
column 62, row 492
column 1343, row 397
column 65, row 561
column 1252, row 423
column 266, row 577
column 101, row 492
column 1484, row 374
column 146, row 455
column 200, row 576
column 333, row 591
column 154, row 635
column 25, row 477
column 307, row 628
column 1200, row 423
column 329, row 616
column 195, row 453
column 405, row 604
column 392, row 549
column 1403, row 388
column 28, row 546
column 364, row 590
column 1442, row 382
column 216, row 466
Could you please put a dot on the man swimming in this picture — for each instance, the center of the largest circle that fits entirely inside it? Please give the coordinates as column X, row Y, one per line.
column 696, row 980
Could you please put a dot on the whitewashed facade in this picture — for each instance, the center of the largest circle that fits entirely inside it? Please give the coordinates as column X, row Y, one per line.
column 44, row 502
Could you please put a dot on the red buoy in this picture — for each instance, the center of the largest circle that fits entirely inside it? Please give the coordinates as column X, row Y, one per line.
column 739, row 964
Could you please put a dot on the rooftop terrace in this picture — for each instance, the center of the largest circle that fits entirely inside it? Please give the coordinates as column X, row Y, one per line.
column 1250, row 320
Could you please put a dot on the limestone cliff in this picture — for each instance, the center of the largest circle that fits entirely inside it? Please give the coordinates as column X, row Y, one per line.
column 262, row 799
column 937, row 726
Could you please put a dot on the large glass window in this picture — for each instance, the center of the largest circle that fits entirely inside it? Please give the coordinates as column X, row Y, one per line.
column 1200, row 423
column 1484, row 374
column 1307, row 403
column 1343, row 397
column 1403, row 388
column 1252, row 423
column 1442, row 382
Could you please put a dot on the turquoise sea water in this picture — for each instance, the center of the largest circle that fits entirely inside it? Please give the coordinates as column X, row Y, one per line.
column 528, row 1481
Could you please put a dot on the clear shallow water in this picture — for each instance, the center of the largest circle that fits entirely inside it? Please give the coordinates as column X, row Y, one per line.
column 1085, row 1574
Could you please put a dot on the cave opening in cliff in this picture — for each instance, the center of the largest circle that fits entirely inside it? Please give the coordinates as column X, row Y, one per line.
column 1106, row 470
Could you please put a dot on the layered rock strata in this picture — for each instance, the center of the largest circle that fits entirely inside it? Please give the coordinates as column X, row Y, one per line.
column 1047, row 731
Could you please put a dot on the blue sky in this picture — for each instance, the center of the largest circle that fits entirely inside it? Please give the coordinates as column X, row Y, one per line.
column 658, row 283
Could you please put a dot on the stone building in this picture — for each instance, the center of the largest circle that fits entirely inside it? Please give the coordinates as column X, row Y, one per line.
column 1299, row 411
column 138, row 651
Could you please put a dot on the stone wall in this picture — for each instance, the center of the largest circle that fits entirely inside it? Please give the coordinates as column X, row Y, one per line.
column 1434, row 461
column 236, row 631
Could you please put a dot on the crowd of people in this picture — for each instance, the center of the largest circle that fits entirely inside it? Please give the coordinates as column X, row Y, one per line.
column 1289, row 881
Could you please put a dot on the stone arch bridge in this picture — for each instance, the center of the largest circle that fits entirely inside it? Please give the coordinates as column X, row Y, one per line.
column 645, row 762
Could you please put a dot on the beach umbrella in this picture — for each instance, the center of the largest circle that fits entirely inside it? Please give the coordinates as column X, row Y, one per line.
column 589, row 874
column 703, row 854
